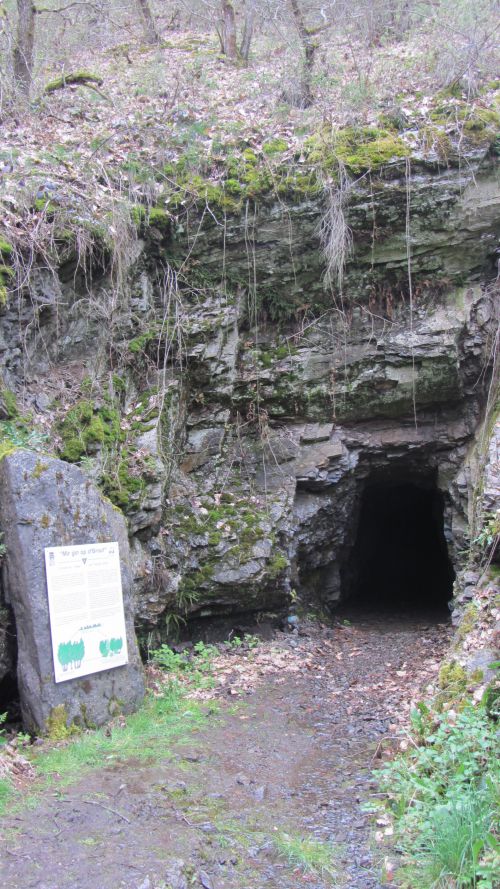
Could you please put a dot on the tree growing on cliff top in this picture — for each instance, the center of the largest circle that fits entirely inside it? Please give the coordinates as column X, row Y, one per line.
column 150, row 28
column 24, row 46
column 309, row 38
column 225, row 17
column 458, row 37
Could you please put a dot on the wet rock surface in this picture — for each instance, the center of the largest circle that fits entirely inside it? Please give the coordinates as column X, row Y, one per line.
column 303, row 722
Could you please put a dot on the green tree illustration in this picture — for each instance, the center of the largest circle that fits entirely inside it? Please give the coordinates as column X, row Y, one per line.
column 64, row 655
column 78, row 653
column 116, row 645
column 71, row 654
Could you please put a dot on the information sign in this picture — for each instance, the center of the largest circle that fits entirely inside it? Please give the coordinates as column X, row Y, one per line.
column 87, row 620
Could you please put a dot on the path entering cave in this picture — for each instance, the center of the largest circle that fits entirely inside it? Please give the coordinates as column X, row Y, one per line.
column 399, row 560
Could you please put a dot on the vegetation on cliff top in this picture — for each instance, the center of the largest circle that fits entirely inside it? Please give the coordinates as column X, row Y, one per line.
column 160, row 128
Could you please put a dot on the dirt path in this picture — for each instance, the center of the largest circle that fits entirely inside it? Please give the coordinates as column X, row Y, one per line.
column 292, row 760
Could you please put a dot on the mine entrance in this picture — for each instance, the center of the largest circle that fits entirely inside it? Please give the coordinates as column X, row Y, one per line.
column 399, row 559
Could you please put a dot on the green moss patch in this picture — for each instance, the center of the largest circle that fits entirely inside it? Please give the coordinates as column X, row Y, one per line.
column 124, row 471
column 452, row 678
column 237, row 172
column 274, row 146
column 84, row 428
column 359, row 148
column 226, row 182
column 476, row 124
column 154, row 217
column 125, row 482
column 7, row 273
column 278, row 564
column 140, row 343
column 58, row 728
column 19, row 432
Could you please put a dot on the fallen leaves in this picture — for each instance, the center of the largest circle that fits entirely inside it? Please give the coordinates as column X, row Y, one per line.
column 14, row 765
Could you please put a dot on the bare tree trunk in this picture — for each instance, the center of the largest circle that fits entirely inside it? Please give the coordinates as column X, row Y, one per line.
column 229, row 30
column 247, row 29
column 23, row 56
column 310, row 46
column 150, row 29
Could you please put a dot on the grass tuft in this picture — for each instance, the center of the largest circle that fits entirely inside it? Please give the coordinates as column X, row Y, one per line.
column 5, row 794
column 444, row 795
column 311, row 855
column 147, row 734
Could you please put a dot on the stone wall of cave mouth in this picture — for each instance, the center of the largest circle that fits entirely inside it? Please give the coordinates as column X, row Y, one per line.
column 399, row 559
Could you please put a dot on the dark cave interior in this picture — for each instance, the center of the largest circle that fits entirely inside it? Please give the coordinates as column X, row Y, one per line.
column 399, row 559
column 9, row 699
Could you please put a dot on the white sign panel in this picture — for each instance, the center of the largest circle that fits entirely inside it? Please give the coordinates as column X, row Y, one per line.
column 87, row 621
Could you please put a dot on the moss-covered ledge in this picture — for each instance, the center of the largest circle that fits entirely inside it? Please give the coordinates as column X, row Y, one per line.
column 451, row 131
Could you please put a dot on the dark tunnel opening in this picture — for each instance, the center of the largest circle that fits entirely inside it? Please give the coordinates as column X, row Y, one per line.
column 399, row 560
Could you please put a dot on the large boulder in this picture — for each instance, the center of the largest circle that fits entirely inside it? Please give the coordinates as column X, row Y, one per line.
column 47, row 503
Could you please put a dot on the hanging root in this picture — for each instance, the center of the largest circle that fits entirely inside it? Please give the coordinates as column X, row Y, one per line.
column 334, row 234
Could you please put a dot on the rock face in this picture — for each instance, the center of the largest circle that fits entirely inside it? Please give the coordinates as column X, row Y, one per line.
column 44, row 502
column 254, row 406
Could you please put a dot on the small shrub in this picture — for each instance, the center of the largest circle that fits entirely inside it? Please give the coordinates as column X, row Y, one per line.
column 443, row 794
column 191, row 669
column 453, row 836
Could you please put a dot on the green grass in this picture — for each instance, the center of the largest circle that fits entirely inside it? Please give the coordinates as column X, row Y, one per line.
column 311, row 855
column 452, row 839
column 147, row 734
column 5, row 794
column 444, row 796
column 167, row 716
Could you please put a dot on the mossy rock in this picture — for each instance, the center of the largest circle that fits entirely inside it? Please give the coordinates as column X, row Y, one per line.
column 58, row 728
column 477, row 124
column 6, row 448
column 139, row 344
column 359, row 148
column 152, row 217
column 7, row 273
column 491, row 699
column 6, row 248
column 248, row 174
column 84, row 427
column 277, row 565
column 121, row 485
column 452, row 677
column 274, row 146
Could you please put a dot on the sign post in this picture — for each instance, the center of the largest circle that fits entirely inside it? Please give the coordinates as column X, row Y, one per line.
column 87, row 620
